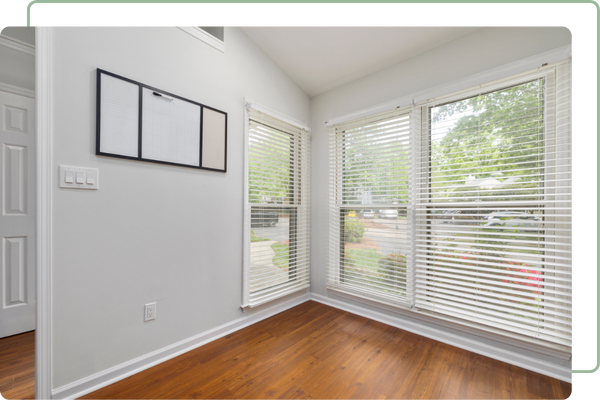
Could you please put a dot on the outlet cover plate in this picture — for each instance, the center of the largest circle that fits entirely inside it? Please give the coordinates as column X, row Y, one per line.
column 149, row 312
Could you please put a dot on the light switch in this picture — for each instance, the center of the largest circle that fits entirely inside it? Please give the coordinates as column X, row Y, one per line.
column 78, row 178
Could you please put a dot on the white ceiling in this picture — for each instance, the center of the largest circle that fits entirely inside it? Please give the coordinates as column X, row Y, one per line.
column 321, row 59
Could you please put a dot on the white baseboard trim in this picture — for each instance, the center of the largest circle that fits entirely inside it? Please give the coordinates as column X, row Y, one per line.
column 520, row 360
column 104, row 378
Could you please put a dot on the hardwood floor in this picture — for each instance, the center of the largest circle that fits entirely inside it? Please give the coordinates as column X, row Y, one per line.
column 17, row 363
column 316, row 351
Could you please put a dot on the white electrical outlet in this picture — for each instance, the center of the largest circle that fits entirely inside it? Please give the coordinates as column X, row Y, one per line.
column 149, row 311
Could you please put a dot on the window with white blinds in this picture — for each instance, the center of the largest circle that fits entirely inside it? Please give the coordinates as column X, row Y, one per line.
column 277, row 212
column 460, row 207
column 493, row 234
column 369, row 214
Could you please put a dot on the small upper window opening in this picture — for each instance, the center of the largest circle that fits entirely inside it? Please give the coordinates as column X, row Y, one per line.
column 213, row 36
column 216, row 31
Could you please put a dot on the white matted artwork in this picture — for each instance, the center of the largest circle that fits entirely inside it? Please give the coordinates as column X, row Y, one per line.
column 139, row 122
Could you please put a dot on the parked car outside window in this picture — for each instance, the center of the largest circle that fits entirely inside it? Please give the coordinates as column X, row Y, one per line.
column 513, row 219
column 392, row 214
column 467, row 217
column 370, row 214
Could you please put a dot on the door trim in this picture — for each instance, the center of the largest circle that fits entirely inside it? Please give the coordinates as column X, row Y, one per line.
column 43, row 104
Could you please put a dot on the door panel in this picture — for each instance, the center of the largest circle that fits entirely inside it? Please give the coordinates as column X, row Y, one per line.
column 17, row 214
column 15, row 271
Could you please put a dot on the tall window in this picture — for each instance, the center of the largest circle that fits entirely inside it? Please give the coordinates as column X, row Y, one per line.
column 493, row 237
column 370, row 217
column 465, row 212
column 277, row 255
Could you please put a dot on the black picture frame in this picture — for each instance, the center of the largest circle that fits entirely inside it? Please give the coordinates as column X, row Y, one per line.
column 141, row 87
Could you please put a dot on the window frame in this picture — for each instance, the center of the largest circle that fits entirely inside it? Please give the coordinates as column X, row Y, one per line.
column 546, row 76
column 336, row 264
column 299, row 208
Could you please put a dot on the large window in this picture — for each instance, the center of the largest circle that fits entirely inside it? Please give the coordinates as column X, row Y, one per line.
column 483, row 182
column 493, row 237
column 277, row 210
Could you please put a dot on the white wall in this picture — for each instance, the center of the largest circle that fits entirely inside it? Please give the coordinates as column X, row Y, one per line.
column 152, row 232
column 477, row 52
column 17, row 68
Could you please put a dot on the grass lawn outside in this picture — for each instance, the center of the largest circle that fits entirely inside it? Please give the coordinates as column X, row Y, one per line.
column 367, row 258
column 363, row 268
column 282, row 255
column 254, row 238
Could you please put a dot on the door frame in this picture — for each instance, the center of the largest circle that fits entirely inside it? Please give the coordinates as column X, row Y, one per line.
column 22, row 92
column 43, row 131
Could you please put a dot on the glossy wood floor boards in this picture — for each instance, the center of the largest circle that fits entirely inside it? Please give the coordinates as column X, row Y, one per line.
column 17, row 366
column 316, row 351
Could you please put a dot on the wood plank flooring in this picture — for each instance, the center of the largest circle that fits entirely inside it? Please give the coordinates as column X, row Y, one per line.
column 17, row 366
column 316, row 351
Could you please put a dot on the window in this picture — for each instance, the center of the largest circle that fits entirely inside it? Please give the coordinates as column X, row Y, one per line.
column 277, row 257
column 493, row 236
column 370, row 217
column 472, row 201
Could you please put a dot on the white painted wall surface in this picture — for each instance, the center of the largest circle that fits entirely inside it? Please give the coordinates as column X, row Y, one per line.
column 477, row 52
column 152, row 232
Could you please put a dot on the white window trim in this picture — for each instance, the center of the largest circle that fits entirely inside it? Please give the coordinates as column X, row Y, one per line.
column 204, row 36
column 250, row 104
column 274, row 113
column 524, row 66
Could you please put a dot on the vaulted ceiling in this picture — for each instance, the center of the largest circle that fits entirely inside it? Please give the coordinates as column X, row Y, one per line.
column 323, row 58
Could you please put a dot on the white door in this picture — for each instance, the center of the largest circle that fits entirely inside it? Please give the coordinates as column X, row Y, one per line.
column 17, row 214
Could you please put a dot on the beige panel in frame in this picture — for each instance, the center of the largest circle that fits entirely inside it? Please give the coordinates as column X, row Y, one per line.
column 214, row 139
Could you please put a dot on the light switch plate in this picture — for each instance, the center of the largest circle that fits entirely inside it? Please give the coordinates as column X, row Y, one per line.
column 86, row 173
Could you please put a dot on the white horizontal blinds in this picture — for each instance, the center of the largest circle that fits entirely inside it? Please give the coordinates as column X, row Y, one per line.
column 493, row 237
column 369, row 213
column 279, row 199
